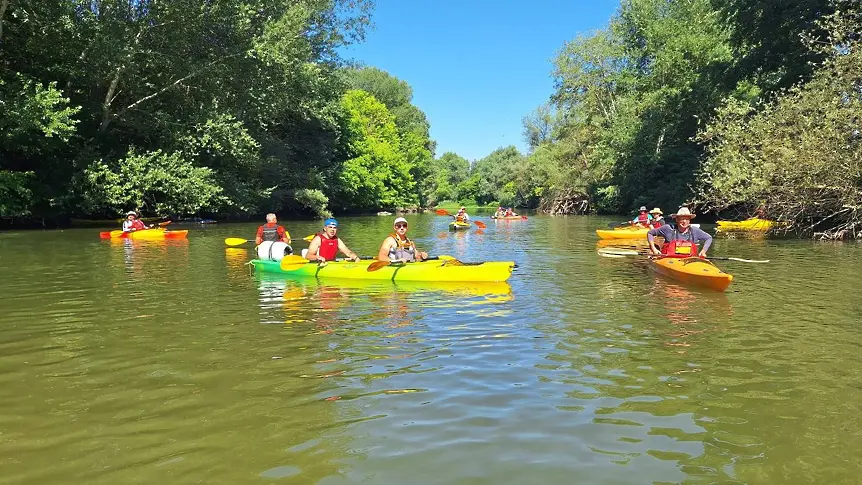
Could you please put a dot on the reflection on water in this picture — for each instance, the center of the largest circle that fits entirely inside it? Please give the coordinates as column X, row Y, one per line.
column 169, row 361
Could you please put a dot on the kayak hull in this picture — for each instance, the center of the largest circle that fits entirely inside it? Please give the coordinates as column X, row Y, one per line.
column 753, row 224
column 143, row 235
column 434, row 270
column 623, row 233
column 510, row 218
column 696, row 271
column 459, row 226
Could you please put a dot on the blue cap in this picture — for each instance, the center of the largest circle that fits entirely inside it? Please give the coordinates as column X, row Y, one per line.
column 330, row 222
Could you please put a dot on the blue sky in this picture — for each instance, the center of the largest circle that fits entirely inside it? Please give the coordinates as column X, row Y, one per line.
column 476, row 66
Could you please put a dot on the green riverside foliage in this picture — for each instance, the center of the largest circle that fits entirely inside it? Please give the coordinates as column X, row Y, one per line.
column 798, row 158
column 245, row 97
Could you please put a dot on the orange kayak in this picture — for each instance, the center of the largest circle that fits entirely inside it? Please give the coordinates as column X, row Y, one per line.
column 144, row 234
column 697, row 271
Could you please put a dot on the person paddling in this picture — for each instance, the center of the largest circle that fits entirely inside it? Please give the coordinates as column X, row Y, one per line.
column 643, row 219
column 271, row 231
column 398, row 247
column 132, row 223
column 680, row 241
column 462, row 216
column 657, row 219
column 326, row 245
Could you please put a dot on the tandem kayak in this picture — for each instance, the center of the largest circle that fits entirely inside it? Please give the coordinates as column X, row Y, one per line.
column 623, row 233
column 144, row 234
column 754, row 224
column 697, row 271
column 440, row 270
column 510, row 218
column 458, row 226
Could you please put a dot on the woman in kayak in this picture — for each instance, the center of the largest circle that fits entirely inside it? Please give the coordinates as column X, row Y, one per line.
column 326, row 245
column 643, row 219
column 462, row 216
column 398, row 247
column 657, row 219
column 132, row 223
column 680, row 241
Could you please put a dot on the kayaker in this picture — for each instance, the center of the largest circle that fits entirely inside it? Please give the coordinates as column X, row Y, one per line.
column 680, row 241
column 398, row 247
column 462, row 216
column 643, row 219
column 132, row 223
column 500, row 212
column 326, row 245
column 271, row 231
column 657, row 219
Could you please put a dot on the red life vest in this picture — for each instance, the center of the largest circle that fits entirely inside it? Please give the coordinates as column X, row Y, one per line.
column 328, row 247
column 657, row 223
column 643, row 218
column 137, row 225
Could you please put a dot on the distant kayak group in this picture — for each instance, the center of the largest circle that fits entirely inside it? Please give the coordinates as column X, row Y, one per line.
column 683, row 252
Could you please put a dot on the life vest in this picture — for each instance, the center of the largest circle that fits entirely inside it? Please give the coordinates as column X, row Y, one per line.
column 270, row 232
column 328, row 247
column 404, row 249
column 679, row 248
column 460, row 218
column 137, row 225
column 643, row 218
column 657, row 223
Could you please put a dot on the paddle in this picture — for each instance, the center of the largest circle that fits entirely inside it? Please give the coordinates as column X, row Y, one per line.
column 294, row 262
column 236, row 241
column 616, row 253
column 444, row 212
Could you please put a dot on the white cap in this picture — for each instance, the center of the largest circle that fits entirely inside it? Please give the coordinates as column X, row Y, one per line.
column 400, row 219
column 131, row 213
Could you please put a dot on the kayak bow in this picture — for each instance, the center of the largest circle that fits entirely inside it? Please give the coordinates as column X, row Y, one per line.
column 697, row 271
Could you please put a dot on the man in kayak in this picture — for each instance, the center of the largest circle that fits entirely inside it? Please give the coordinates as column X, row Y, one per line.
column 680, row 241
column 462, row 216
column 643, row 219
column 271, row 231
column 398, row 247
column 132, row 223
column 326, row 245
column 657, row 219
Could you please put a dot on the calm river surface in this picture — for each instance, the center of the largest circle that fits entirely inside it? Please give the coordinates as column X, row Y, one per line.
column 168, row 362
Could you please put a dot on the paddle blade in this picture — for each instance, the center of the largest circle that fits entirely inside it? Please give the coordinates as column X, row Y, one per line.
column 235, row 241
column 480, row 224
column 377, row 265
column 309, row 238
column 442, row 212
column 163, row 224
column 292, row 262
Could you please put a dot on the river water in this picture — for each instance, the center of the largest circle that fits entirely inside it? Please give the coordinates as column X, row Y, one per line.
column 169, row 362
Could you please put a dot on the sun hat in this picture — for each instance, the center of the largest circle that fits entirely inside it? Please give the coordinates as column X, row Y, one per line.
column 656, row 211
column 642, row 209
column 684, row 212
column 330, row 222
column 131, row 213
column 400, row 219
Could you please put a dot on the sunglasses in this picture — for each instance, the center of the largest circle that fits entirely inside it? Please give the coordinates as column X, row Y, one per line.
column 400, row 224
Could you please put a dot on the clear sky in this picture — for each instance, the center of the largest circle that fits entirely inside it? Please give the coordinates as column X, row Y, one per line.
column 476, row 66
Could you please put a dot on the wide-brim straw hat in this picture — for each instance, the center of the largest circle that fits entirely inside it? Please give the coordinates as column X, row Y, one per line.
column 656, row 211
column 684, row 212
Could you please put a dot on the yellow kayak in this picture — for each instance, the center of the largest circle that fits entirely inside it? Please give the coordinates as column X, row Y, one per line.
column 439, row 270
column 623, row 233
column 697, row 271
column 458, row 226
column 144, row 234
column 753, row 224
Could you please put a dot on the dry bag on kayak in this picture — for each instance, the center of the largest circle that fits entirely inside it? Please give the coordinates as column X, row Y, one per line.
column 273, row 250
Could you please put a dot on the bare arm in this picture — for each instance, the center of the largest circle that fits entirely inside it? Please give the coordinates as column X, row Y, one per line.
column 313, row 248
column 383, row 254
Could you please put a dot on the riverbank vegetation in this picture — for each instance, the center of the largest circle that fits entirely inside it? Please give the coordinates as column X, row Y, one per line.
column 178, row 107
column 733, row 106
